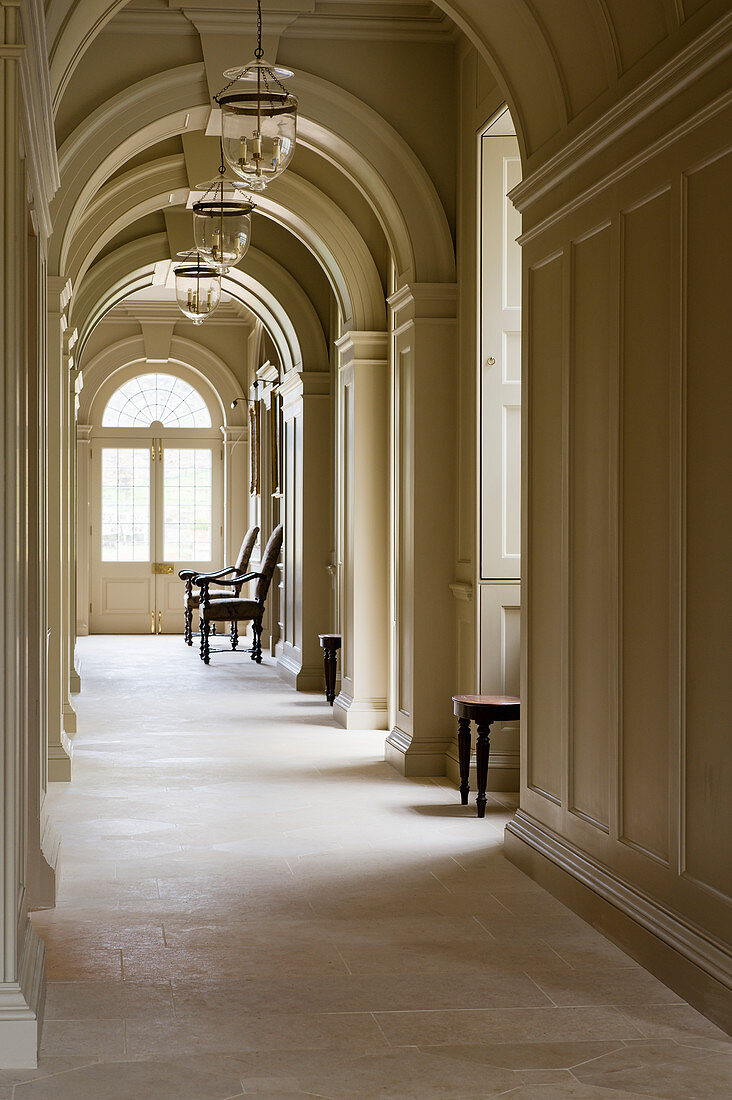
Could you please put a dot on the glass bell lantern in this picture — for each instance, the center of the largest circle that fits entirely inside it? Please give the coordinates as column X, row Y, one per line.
column 259, row 133
column 197, row 289
column 258, row 124
column 222, row 225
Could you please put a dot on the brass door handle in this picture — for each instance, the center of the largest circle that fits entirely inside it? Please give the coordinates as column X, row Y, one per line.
column 152, row 622
column 490, row 361
column 160, row 622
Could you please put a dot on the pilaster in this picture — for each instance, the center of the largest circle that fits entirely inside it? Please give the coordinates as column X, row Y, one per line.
column 59, row 746
column 306, row 417
column 363, row 525
column 21, row 952
column 424, row 460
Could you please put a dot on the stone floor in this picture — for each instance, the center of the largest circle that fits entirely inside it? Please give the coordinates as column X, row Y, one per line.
column 253, row 904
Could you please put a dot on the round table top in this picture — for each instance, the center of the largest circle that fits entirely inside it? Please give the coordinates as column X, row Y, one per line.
column 487, row 700
column 334, row 639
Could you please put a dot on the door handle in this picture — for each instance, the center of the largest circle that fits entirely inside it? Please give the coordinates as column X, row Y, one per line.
column 160, row 450
column 160, row 622
column 152, row 622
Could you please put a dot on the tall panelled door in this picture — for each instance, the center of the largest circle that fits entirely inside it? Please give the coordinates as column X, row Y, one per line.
column 156, row 507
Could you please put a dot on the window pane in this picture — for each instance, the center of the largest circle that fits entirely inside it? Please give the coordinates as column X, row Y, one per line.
column 149, row 397
column 187, row 476
column 125, row 504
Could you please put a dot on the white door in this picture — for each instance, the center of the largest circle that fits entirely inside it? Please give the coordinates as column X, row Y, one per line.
column 499, row 506
column 156, row 507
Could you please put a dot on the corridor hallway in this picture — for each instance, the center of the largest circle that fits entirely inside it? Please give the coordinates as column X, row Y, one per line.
column 253, row 903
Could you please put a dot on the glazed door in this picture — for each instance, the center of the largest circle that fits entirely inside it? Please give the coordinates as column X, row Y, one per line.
column 189, row 522
column 156, row 507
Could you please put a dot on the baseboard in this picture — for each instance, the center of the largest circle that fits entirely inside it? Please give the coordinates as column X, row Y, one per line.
column 21, row 1006
column 360, row 714
column 69, row 719
column 59, row 761
column 683, row 956
column 504, row 772
column 297, row 675
column 415, row 758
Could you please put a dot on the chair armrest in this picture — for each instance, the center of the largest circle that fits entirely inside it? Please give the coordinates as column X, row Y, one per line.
column 234, row 582
column 198, row 577
column 186, row 574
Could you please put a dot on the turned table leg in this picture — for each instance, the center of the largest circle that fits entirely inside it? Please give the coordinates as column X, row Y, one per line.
column 482, row 750
column 464, row 758
column 329, row 668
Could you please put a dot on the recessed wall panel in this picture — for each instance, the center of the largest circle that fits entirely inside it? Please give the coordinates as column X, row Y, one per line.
column 708, row 782
column 126, row 596
column 591, row 528
column 646, row 524
column 545, row 528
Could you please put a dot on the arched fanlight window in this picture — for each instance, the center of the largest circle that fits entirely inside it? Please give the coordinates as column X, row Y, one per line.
column 148, row 397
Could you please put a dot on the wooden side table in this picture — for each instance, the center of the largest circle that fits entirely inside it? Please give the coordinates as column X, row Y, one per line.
column 331, row 643
column 484, row 710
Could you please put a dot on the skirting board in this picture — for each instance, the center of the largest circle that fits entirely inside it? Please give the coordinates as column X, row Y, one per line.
column 682, row 956
column 360, row 714
column 504, row 772
column 299, row 677
column 59, row 761
column 21, row 1006
column 415, row 758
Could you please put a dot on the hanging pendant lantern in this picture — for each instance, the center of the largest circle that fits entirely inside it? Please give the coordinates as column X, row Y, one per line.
column 222, row 223
column 197, row 288
column 258, row 127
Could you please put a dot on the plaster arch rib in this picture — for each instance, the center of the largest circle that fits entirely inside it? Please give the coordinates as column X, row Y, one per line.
column 130, row 351
column 295, row 331
column 305, row 211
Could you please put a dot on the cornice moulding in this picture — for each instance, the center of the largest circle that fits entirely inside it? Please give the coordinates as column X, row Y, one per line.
column 686, row 67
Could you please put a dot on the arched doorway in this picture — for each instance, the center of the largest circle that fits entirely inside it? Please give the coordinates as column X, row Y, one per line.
column 156, row 496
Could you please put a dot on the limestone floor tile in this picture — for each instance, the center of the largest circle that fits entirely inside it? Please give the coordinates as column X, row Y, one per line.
column 47, row 1067
column 677, row 1021
column 212, row 1031
column 161, row 1080
column 230, row 960
column 662, row 1069
column 338, row 993
column 505, row 1025
column 84, row 1037
column 529, row 1056
column 81, row 961
column 575, row 1090
column 605, row 987
column 107, row 1000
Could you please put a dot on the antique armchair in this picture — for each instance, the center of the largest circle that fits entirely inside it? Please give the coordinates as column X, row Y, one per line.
column 191, row 600
column 234, row 609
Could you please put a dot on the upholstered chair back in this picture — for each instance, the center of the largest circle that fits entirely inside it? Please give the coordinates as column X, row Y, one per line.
column 245, row 550
column 269, row 561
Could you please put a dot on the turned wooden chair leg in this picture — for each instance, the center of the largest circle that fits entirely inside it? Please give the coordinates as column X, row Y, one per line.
column 464, row 758
column 205, row 626
column 234, row 634
column 257, row 647
column 188, row 632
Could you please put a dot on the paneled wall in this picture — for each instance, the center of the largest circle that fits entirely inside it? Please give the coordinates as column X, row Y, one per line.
column 626, row 542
